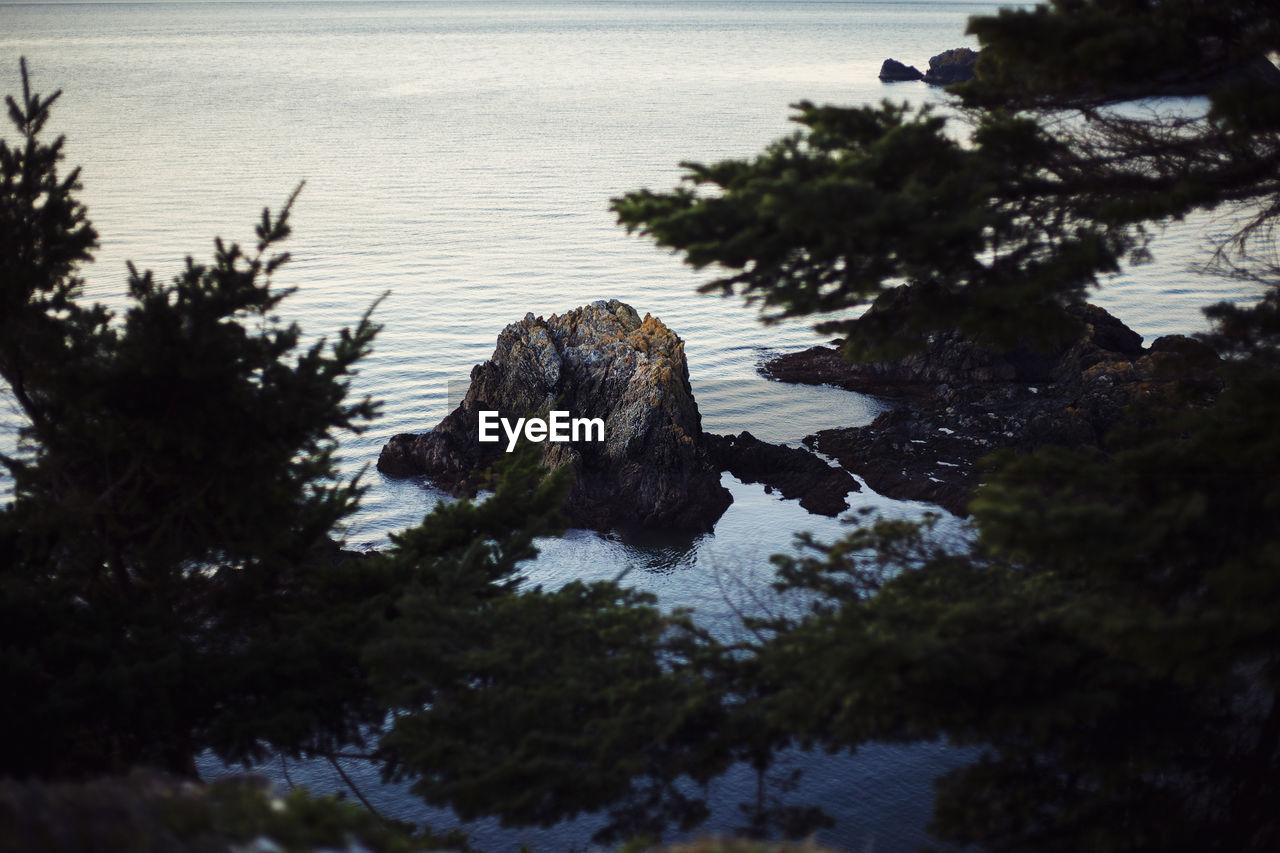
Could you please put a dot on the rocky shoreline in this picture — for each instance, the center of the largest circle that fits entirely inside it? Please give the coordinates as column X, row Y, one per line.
column 957, row 402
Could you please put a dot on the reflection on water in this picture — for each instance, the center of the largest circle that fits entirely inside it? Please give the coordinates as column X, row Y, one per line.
column 656, row 552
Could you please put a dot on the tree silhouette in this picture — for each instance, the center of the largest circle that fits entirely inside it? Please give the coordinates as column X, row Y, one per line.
column 1110, row 641
column 170, row 582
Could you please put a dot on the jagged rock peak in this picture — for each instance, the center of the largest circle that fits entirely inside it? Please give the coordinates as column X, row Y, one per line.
column 600, row 361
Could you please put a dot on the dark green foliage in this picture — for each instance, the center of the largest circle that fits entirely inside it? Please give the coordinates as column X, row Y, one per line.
column 1111, row 639
column 1068, row 52
column 559, row 706
column 540, row 705
column 44, row 234
column 169, row 584
column 865, row 198
column 1088, row 56
column 178, row 485
column 998, row 225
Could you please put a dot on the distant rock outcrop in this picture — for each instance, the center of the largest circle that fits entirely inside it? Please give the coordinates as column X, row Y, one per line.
column 961, row 401
column 952, row 66
column 600, row 361
column 960, row 65
column 893, row 71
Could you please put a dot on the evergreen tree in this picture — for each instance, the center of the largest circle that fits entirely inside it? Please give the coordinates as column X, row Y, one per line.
column 169, row 584
column 178, row 480
column 1110, row 641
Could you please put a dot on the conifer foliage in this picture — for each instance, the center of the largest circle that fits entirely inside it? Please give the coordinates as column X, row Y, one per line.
column 1111, row 643
column 175, row 473
column 169, row 583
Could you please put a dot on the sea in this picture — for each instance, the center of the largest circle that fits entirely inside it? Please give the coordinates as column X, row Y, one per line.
column 459, row 157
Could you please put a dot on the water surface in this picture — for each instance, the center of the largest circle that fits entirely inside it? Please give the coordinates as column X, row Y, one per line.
column 461, row 156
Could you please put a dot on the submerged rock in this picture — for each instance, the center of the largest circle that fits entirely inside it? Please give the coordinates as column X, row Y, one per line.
column 893, row 71
column 600, row 361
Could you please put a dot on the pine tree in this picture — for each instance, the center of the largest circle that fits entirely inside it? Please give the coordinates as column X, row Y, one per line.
column 176, row 481
column 170, row 581
column 1109, row 643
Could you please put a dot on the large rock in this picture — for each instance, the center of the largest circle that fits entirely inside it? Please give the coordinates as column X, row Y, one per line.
column 952, row 66
column 893, row 71
column 599, row 361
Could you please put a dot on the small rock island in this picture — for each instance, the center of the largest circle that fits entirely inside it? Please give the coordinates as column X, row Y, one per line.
column 599, row 361
column 950, row 66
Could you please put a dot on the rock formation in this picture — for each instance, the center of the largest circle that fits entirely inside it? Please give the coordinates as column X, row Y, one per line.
column 795, row 473
column 893, row 71
column 952, row 66
column 600, row 361
column 961, row 401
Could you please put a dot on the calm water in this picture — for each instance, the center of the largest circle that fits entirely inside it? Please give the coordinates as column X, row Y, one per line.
column 462, row 155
